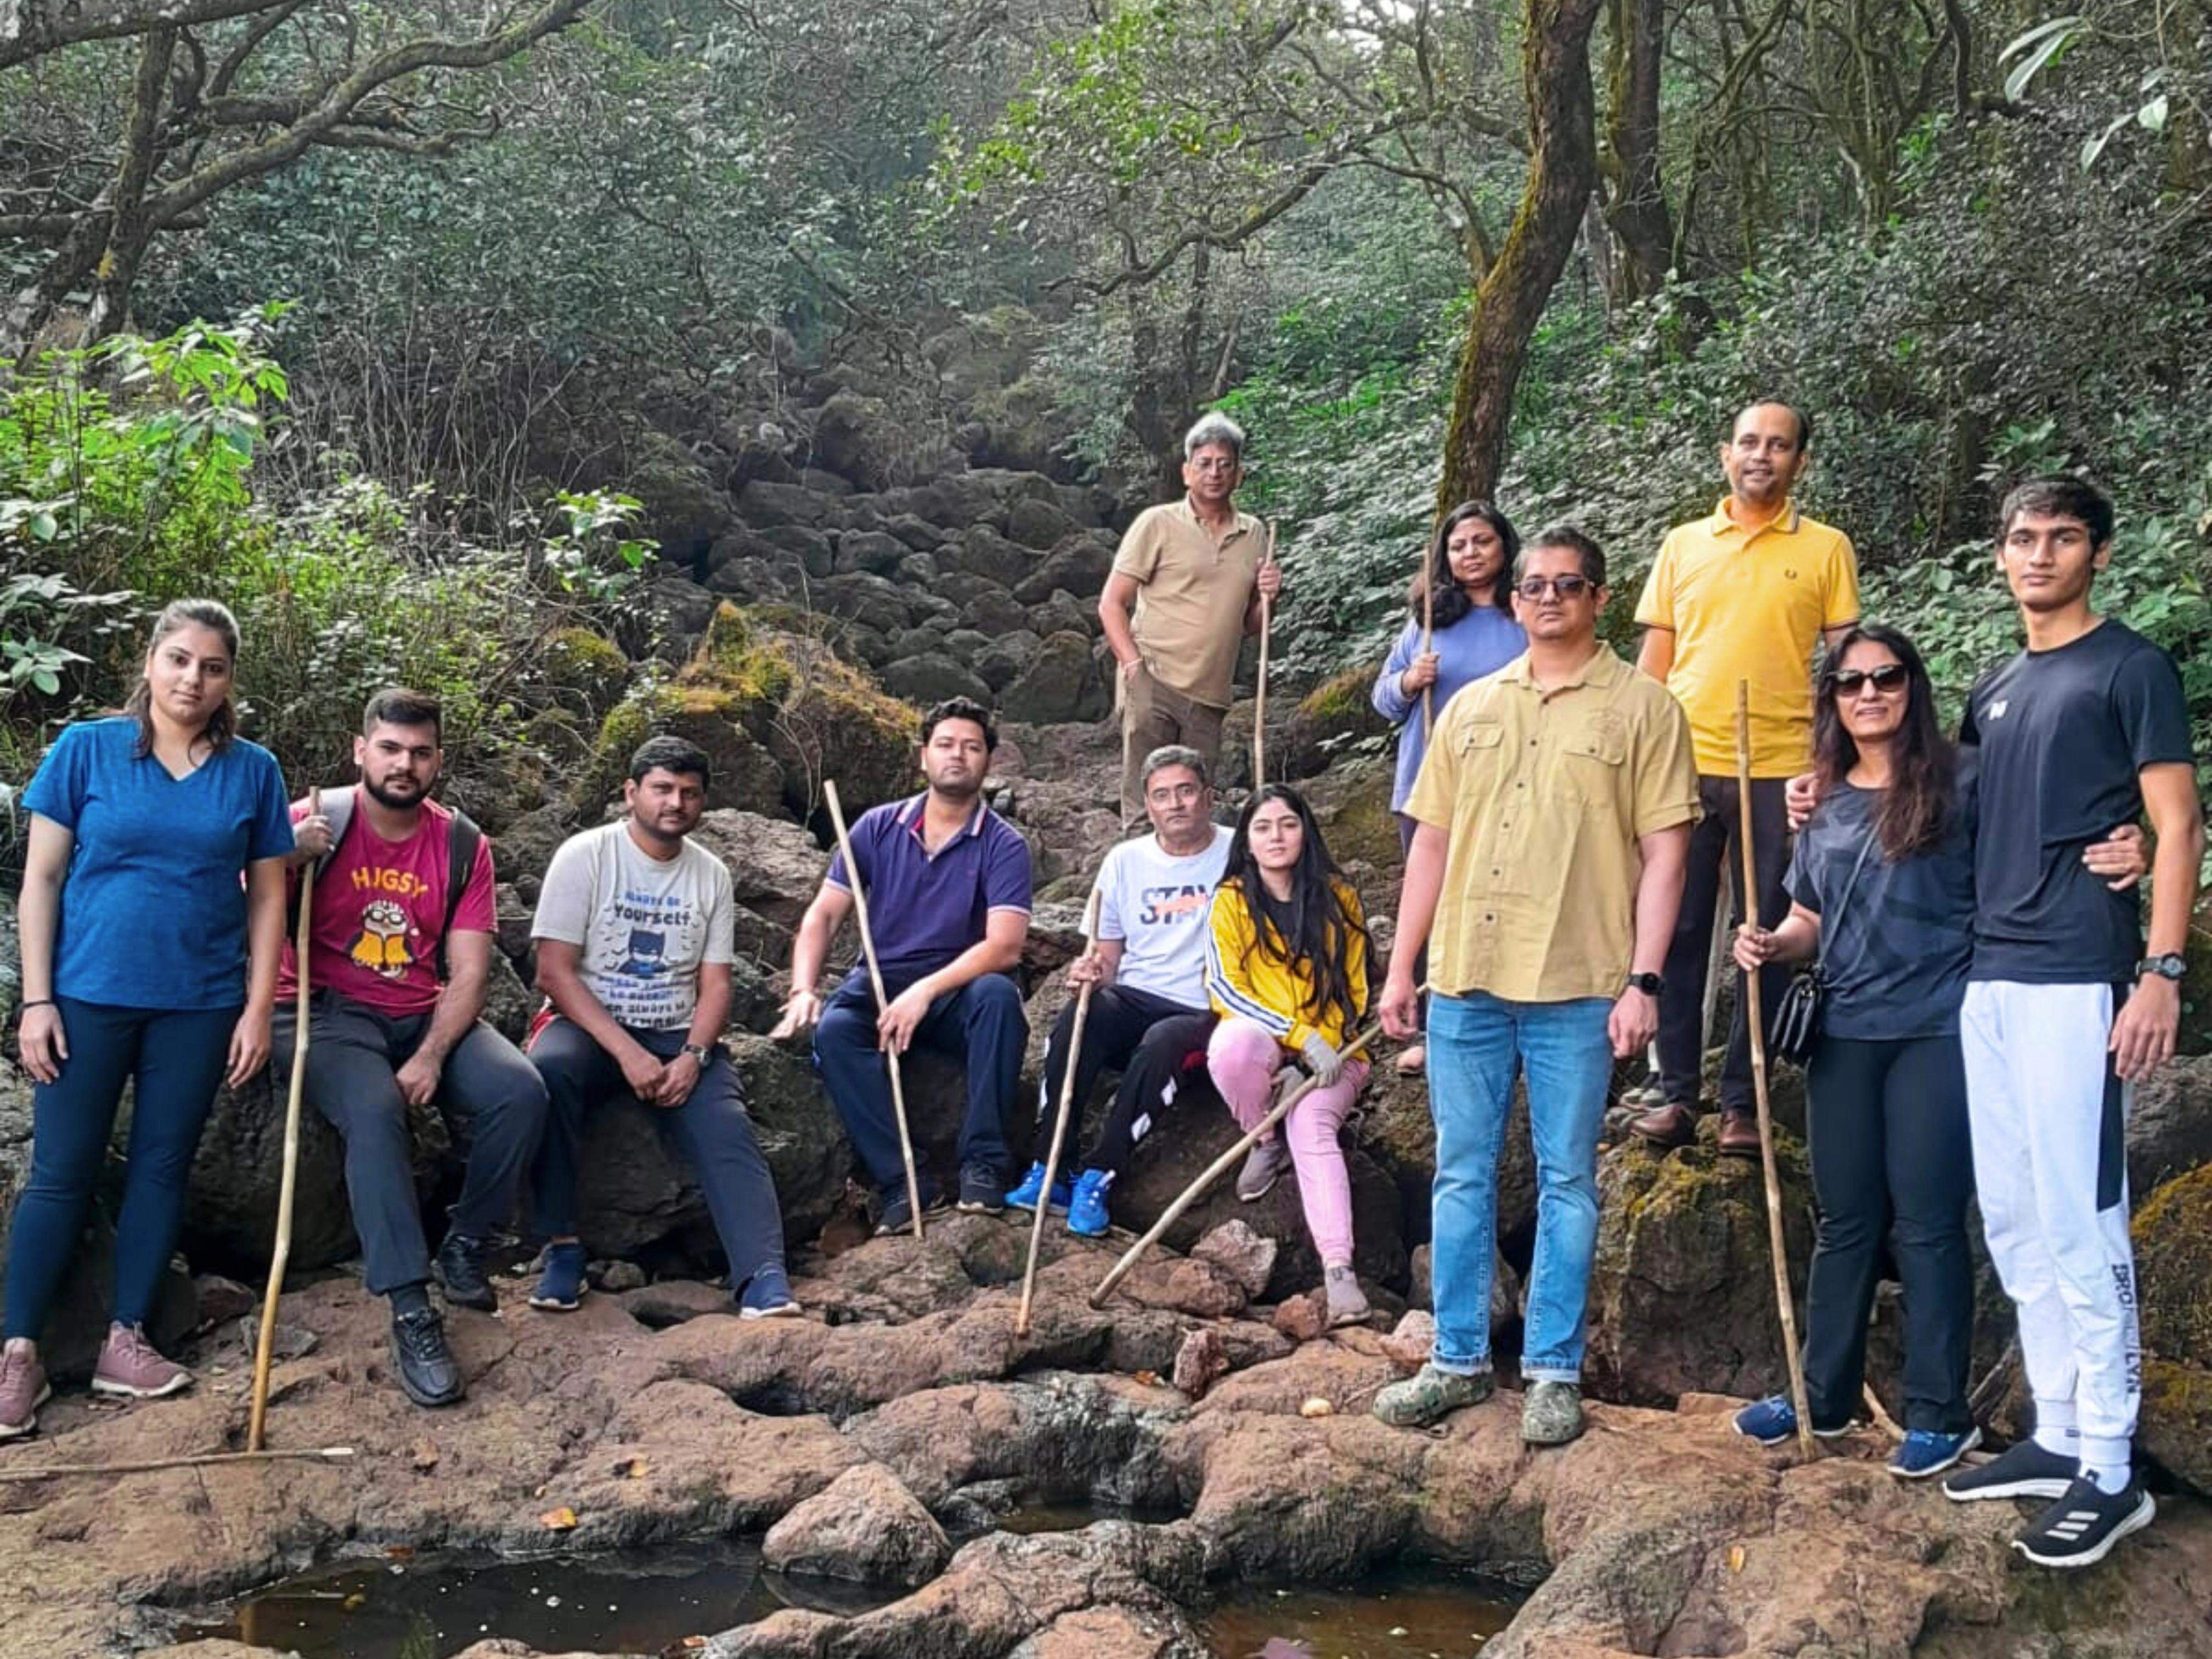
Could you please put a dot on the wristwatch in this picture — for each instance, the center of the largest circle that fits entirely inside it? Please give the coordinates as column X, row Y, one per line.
column 1649, row 984
column 699, row 1051
column 2172, row 966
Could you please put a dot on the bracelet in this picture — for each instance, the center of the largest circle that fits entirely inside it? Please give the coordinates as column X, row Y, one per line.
column 37, row 1002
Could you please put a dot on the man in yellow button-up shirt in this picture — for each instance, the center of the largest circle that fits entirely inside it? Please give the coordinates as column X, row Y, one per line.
column 1743, row 595
column 1553, row 810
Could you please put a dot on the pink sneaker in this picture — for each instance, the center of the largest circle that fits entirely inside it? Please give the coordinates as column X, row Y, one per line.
column 130, row 1366
column 22, row 1390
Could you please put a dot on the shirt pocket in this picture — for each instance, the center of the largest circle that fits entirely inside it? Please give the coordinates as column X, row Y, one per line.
column 1481, row 737
column 1590, row 765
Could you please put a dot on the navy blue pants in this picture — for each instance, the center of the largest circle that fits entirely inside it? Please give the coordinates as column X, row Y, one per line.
column 174, row 1060
column 710, row 1129
column 981, row 1024
column 493, row 1099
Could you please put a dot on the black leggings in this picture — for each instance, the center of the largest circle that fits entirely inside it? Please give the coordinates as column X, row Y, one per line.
column 1890, row 1155
column 1158, row 1047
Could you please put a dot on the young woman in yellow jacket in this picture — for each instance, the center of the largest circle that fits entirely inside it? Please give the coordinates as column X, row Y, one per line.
column 1286, row 969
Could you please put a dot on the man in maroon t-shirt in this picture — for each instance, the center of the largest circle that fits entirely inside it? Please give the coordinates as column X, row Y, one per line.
column 398, row 963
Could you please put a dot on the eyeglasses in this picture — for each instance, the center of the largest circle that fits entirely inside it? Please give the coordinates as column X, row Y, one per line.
column 1890, row 676
column 1567, row 587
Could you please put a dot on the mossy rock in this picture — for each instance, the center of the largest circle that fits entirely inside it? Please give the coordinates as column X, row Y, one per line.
column 2173, row 1236
column 588, row 664
column 2176, row 1430
column 1337, row 712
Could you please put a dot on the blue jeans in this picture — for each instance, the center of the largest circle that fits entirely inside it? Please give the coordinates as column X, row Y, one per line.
column 1477, row 1042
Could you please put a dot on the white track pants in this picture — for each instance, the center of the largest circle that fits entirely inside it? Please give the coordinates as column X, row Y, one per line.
column 2048, row 1117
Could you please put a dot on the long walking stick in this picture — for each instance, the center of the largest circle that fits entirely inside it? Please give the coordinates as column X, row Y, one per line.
column 1429, row 631
column 264, row 1349
column 1756, row 1027
column 876, row 978
column 1259, row 696
column 1213, row 1172
column 1059, row 1122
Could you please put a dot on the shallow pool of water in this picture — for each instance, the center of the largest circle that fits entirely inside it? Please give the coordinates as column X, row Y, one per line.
column 1401, row 1613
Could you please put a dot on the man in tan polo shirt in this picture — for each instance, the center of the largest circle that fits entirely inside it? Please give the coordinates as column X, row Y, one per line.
column 1554, row 811
column 1184, row 591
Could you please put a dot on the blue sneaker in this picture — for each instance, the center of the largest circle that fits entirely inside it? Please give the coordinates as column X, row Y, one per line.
column 1087, row 1209
column 1773, row 1420
column 561, row 1280
column 1025, row 1197
column 1931, row 1451
column 768, row 1296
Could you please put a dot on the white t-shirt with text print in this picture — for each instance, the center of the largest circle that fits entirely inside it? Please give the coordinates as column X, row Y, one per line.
column 1155, row 905
column 643, row 926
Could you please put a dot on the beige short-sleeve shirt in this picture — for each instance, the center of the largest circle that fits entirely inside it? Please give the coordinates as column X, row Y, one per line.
column 1543, row 793
column 1191, row 592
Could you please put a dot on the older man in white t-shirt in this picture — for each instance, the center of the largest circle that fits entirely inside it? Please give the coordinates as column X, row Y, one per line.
column 1149, row 1016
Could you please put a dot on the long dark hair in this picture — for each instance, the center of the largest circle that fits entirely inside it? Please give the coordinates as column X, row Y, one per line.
column 1451, row 600
column 1313, row 924
column 1915, row 813
column 222, row 721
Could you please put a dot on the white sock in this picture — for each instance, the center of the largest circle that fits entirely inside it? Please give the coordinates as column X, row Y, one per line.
column 2055, row 1428
column 2109, row 1459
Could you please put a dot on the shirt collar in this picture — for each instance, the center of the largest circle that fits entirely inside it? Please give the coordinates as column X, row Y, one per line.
column 1242, row 524
column 1601, row 671
column 1722, row 523
column 909, row 815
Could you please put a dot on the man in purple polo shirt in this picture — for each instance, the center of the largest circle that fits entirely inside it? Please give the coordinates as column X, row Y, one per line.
column 947, row 882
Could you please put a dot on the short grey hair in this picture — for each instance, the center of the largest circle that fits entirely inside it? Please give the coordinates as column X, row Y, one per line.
column 1214, row 428
column 1176, row 754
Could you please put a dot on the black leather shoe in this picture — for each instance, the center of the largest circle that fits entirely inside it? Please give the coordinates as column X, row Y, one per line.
column 459, row 1268
column 428, row 1373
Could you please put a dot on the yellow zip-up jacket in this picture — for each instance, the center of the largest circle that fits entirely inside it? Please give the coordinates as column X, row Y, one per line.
column 1269, row 989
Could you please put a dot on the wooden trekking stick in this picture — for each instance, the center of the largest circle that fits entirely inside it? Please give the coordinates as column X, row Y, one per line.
column 265, row 1348
column 1260, row 697
column 1756, row 1026
column 1213, row 1172
column 876, row 979
column 1429, row 630
column 203, row 1460
column 1059, row 1122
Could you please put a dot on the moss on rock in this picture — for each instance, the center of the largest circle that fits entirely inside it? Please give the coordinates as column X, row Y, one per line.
column 2173, row 1269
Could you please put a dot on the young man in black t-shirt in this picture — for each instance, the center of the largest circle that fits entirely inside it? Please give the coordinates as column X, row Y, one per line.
column 2085, row 728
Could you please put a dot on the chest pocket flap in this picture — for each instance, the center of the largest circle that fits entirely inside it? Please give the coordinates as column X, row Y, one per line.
column 1485, row 734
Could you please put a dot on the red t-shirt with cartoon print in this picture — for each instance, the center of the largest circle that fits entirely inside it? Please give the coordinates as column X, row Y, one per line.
column 379, row 907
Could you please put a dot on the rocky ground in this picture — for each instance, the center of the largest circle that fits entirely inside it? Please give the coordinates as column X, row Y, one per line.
column 906, row 1398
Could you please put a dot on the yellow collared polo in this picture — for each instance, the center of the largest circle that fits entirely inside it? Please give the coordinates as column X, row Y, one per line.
column 1192, row 592
column 1750, row 608
column 1543, row 793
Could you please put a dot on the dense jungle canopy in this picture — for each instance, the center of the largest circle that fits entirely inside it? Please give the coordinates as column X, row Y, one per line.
column 414, row 329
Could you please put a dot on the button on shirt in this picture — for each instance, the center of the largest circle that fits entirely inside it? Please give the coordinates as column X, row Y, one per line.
column 1192, row 593
column 1750, row 608
column 924, row 907
column 1543, row 793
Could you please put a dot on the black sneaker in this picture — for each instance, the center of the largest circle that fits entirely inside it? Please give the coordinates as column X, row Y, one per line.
column 897, row 1215
column 2080, row 1528
column 2026, row 1470
column 428, row 1375
column 459, row 1268
column 982, row 1190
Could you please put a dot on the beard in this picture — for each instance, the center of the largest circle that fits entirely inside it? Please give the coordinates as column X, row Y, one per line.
column 396, row 803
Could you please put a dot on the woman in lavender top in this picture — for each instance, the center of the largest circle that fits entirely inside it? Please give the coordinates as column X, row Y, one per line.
column 1473, row 634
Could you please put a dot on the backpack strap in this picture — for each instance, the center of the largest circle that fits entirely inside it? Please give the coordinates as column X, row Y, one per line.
column 463, row 838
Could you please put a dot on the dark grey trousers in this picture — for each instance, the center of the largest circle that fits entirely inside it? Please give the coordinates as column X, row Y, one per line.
column 491, row 1095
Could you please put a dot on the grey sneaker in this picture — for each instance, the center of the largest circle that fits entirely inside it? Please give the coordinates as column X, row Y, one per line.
column 23, row 1389
column 1551, row 1413
column 130, row 1366
column 1347, row 1302
column 1263, row 1167
column 1429, row 1394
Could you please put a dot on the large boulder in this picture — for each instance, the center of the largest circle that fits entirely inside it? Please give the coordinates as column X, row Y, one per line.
column 774, row 865
column 681, row 506
column 1062, row 683
column 857, row 438
column 2170, row 1124
column 1040, row 524
column 932, row 677
column 864, row 1527
column 2173, row 1284
column 1080, row 563
column 1681, row 1298
column 1335, row 714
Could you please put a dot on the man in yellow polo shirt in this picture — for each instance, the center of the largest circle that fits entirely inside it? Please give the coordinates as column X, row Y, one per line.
column 1744, row 595
column 1184, row 591
column 1552, row 818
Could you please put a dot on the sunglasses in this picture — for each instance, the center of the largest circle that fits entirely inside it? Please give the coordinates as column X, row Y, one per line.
column 1567, row 587
column 1890, row 676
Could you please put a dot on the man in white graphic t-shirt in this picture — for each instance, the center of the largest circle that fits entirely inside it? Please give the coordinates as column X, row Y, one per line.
column 636, row 939
column 1149, row 1015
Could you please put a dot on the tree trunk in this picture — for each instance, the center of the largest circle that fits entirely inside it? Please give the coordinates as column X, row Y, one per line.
column 130, row 227
column 1562, row 174
column 1637, row 210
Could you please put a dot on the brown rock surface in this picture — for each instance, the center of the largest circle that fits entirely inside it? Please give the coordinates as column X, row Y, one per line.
column 864, row 1527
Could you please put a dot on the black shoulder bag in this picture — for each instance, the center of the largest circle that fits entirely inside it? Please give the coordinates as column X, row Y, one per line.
column 1794, row 1032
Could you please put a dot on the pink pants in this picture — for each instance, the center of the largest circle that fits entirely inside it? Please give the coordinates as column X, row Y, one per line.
column 1243, row 1059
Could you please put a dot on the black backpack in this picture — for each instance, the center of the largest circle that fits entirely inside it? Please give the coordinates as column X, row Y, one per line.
column 336, row 806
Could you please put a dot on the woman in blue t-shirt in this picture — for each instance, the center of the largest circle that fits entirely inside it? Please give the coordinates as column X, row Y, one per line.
column 1469, row 590
column 1882, row 890
column 146, row 959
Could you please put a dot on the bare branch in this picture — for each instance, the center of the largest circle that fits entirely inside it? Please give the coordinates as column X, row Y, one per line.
column 32, row 28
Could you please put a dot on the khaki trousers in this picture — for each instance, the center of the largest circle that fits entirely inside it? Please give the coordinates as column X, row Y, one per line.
column 1153, row 714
